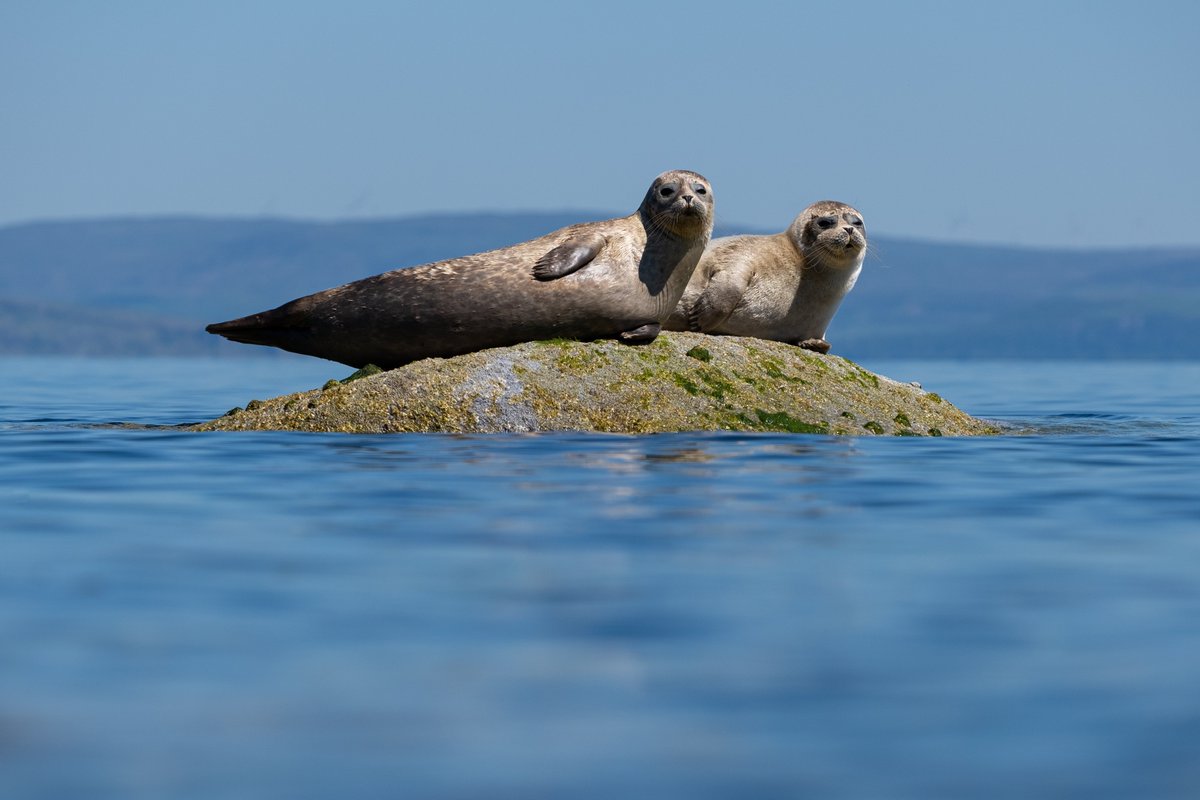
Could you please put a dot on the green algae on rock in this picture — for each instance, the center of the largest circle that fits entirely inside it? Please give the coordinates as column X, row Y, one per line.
column 679, row 382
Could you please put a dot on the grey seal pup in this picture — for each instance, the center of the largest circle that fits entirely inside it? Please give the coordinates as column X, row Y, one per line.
column 620, row 278
column 784, row 287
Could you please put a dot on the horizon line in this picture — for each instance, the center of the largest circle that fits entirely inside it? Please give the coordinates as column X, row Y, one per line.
column 584, row 215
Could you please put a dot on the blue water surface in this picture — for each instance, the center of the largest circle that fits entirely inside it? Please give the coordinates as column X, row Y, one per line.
column 262, row 615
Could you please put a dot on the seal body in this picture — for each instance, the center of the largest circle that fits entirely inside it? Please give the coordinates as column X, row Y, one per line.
column 784, row 287
column 620, row 278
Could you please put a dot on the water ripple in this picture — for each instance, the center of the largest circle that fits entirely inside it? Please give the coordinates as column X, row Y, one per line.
column 307, row 615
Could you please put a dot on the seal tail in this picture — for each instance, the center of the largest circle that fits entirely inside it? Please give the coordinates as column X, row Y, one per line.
column 302, row 326
column 270, row 328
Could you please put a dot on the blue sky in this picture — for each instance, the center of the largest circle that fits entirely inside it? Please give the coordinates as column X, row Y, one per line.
column 1064, row 124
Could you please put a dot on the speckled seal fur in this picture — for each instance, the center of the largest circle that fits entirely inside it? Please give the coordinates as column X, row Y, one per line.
column 785, row 287
column 620, row 278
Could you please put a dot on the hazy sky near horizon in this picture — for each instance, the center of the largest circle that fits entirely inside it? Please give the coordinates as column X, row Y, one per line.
column 1063, row 124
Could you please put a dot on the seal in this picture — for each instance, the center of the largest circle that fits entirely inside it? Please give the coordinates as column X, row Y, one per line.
column 619, row 278
column 785, row 287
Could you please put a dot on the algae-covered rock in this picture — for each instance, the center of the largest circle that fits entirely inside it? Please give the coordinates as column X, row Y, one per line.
column 680, row 382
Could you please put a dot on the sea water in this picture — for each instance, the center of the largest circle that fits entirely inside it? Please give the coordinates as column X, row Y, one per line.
column 287, row 615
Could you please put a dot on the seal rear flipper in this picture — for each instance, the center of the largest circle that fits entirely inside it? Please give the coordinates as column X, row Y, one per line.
column 570, row 256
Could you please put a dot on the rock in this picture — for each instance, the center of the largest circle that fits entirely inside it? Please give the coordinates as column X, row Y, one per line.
column 679, row 382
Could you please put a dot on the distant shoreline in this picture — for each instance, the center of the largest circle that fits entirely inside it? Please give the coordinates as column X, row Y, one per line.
column 147, row 285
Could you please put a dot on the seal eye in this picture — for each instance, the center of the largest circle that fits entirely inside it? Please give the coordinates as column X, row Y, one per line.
column 699, row 188
column 825, row 223
column 855, row 221
column 666, row 191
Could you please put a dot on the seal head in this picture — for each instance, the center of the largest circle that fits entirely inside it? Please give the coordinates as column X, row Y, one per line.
column 830, row 235
column 678, row 203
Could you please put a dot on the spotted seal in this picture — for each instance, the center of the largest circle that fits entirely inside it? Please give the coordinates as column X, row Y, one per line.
column 784, row 287
column 619, row 278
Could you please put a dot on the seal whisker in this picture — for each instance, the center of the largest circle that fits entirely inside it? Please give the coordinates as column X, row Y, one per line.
column 872, row 251
column 657, row 225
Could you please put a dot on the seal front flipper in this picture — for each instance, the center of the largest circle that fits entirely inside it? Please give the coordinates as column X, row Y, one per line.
column 573, row 254
column 816, row 345
column 643, row 334
column 725, row 290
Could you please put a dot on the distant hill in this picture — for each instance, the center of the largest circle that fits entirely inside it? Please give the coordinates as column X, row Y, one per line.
column 977, row 301
column 147, row 286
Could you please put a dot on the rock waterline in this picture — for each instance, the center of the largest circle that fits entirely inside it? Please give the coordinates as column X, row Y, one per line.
column 679, row 382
